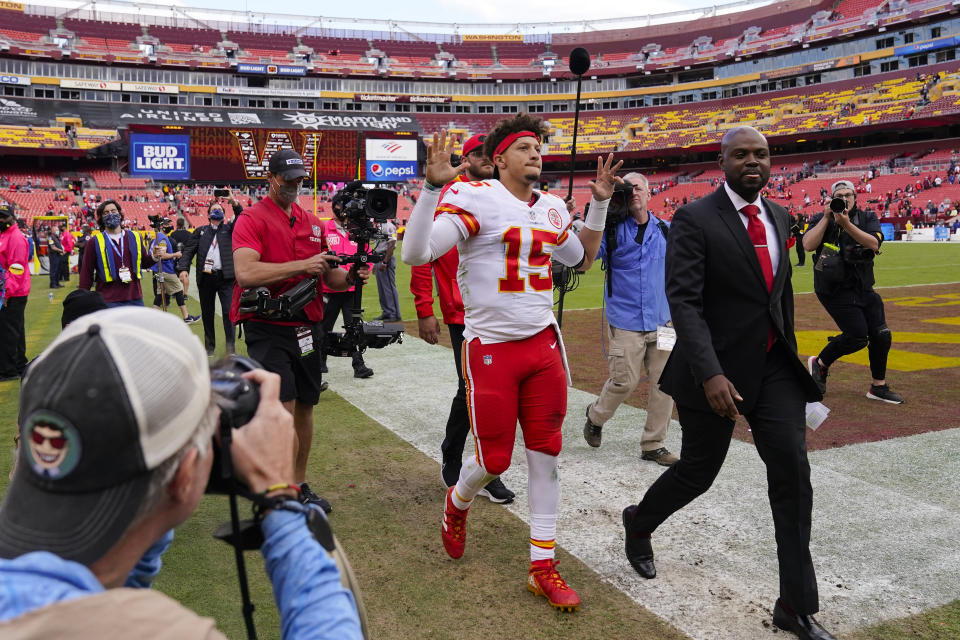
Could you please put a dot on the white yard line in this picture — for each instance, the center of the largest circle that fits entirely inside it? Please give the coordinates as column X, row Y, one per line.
column 885, row 520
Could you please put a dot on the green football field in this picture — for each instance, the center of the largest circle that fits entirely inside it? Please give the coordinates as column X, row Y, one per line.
column 898, row 264
column 386, row 515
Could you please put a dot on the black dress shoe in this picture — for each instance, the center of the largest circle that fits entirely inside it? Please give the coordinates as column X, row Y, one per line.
column 806, row 627
column 639, row 550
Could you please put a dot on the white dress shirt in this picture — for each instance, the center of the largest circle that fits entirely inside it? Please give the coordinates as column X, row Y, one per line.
column 773, row 242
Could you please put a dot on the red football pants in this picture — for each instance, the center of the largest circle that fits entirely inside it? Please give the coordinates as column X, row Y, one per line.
column 508, row 381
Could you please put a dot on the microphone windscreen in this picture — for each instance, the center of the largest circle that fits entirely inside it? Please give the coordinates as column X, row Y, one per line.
column 579, row 61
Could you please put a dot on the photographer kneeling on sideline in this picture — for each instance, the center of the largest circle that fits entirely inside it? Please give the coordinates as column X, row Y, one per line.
column 845, row 239
column 107, row 467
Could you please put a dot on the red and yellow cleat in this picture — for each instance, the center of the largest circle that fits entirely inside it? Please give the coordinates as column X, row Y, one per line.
column 454, row 527
column 545, row 581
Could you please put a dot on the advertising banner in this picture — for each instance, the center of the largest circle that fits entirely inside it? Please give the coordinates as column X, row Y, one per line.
column 163, row 157
column 394, row 97
column 932, row 45
column 271, row 69
column 486, row 37
column 97, row 85
column 117, row 114
column 12, row 78
column 391, row 160
column 149, row 87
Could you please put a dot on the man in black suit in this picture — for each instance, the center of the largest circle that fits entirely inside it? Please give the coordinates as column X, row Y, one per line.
column 213, row 245
column 731, row 300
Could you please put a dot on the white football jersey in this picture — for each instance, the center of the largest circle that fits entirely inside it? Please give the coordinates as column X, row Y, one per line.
column 505, row 257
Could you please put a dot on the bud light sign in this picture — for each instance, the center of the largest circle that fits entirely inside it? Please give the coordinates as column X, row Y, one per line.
column 161, row 157
column 391, row 160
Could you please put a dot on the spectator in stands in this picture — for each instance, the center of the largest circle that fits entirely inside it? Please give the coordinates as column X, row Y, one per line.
column 636, row 301
column 55, row 256
column 212, row 244
column 843, row 283
column 143, row 472
column 14, row 290
column 113, row 259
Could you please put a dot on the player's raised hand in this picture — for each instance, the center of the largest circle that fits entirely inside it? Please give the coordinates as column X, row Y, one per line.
column 607, row 178
column 439, row 150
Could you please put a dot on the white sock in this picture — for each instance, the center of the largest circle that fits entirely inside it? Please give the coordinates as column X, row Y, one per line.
column 473, row 477
column 543, row 487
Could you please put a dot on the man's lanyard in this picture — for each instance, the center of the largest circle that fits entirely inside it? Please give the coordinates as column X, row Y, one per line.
column 117, row 247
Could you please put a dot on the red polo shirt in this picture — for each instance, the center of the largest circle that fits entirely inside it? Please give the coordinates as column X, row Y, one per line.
column 266, row 229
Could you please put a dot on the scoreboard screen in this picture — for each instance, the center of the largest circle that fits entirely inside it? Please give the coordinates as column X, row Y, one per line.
column 228, row 153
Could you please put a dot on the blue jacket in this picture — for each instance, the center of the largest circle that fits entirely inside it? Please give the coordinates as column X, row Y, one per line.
column 639, row 300
column 306, row 581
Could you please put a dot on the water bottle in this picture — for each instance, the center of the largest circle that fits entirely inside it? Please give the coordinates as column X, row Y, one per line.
column 51, row 296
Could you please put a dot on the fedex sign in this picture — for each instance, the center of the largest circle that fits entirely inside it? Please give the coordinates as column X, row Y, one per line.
column 391, row 160
column 162, row 157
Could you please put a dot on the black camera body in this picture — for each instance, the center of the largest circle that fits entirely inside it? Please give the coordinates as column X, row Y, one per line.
column 360, row 209
column 156, row 221
column 238, row 399
column 364, row 335
column 619, row 207
column 285, row 306
column 856, row 254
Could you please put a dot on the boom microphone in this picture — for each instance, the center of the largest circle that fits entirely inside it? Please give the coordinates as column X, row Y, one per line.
column 579, row 61
column 579, row 65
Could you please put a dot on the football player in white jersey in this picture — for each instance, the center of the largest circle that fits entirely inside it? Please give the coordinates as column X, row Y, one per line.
column 507, row 233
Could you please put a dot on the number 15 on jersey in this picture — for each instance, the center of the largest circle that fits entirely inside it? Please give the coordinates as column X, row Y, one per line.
column 534, row 263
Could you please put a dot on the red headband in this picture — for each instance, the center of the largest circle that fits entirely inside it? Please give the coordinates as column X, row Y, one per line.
column 510, row 139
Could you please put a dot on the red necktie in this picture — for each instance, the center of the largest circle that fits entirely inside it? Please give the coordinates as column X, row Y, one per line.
column 758, row 236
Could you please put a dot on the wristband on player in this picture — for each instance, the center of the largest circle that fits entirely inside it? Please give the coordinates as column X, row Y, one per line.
column 432, row 187
column 596, row 218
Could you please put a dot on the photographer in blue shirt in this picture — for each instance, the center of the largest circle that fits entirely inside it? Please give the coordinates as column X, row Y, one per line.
column 107, row 467
column 632, row 246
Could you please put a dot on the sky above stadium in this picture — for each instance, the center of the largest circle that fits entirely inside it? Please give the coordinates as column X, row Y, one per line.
column 458, row 11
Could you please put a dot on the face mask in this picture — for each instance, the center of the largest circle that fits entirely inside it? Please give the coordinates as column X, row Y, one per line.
column 216, row 214
column 111, row 220
column 287, row 193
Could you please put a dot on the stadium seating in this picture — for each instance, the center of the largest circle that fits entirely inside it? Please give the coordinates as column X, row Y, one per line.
column 614, row 52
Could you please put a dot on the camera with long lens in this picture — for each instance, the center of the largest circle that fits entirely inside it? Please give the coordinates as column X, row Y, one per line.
column 838, row 205
column 238, row 399
column 360, row 209
column 619, row 207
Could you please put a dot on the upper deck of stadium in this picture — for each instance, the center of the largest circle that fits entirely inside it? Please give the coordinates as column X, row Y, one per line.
column 165, row 36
